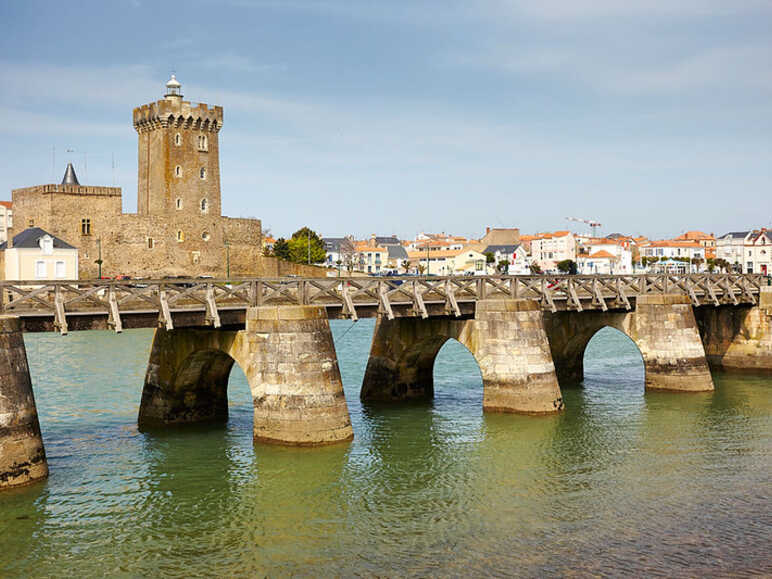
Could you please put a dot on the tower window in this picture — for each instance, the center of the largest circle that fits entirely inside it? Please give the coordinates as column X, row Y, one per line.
column 178, row 171
column 150, row 243
column 202, row 172
column 205, row 236
column 204, row 206
column 180, row 236
column 179, row 203
column 85, row 226
column 178, row 139
column 203, row 144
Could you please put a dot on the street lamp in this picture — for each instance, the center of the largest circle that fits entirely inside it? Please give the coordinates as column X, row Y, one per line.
column 227, row 259
column 99, row 257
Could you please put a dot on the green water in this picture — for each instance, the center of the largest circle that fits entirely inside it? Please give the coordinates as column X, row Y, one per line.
column 621, row 483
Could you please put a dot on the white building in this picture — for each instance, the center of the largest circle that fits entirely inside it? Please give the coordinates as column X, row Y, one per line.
column 35, row 254
column 598, row 263
column 619, row 262
column 758, row 253
column 6, row 219
column 515, row 256
column 731, row 246
column 548, row 249
column 675, row 250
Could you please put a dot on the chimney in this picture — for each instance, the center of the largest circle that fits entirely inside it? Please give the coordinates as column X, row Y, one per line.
column 9, row 233
column 487, row 230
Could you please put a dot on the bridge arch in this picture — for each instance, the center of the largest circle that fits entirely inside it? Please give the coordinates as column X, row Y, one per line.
column 401, row 363
column 187, row 377
column 455, row 359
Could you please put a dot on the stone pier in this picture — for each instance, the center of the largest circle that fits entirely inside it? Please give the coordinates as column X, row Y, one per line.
column 662, row 326
column 738, row 338
column 506, row 337
column 288, row 357
column 22, row 457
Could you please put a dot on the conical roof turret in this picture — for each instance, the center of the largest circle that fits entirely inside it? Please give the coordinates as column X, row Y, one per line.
column 70, row 178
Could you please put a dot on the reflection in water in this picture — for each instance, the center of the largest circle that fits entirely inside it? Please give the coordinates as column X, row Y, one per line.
column 621, row 482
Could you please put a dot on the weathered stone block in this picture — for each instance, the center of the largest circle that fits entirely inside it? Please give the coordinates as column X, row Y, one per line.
column 22, row 456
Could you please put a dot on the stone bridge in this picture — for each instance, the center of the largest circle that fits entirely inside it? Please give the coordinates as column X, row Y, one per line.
column 527, row 333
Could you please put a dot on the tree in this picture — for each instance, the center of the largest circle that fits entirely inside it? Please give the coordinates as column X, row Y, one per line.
column 489, row 257
column 535, row 268
column 502, row 266
column 406, row 265
column 281, row 249
column 567, row 266
column 299, row 247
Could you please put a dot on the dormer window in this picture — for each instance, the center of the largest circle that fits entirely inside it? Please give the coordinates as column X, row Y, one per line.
column 47, row 244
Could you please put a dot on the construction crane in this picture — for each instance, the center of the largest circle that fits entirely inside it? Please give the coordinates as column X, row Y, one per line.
column 593, row 224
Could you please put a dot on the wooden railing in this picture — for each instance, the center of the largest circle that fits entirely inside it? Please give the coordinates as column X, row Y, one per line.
column 117, row 298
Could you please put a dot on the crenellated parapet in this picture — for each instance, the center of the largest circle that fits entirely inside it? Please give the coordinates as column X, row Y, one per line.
column 53, row 188
column 177, row 113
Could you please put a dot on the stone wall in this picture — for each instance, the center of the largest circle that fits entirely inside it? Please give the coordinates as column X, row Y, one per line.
column 22, row 457
column 738, row 338
column 141, row 245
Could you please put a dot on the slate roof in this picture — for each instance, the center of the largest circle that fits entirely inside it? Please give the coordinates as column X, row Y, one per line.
column 30, row 238
column 735, row 235
column 500, row 248
column 70, row 178
column 396, row 252
column 333, row 243
column 388, row 240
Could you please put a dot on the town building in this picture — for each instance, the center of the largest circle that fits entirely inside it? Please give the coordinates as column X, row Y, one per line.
column 35, row 254
column 706, row 240
column 758, row 252
column 549, row 249
column 600, row 262
column 515, row 256
column 670, row 253
column 6, row 219
column 178, row 228
column 731, row 248
column 593, row 255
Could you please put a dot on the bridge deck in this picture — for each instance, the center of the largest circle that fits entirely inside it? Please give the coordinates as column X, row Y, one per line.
column 102, row 304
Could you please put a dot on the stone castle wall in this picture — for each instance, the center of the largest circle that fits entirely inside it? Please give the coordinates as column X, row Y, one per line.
column 139, row 245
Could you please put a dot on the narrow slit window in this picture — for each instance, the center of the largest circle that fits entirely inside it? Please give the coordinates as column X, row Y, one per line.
column 178, row 171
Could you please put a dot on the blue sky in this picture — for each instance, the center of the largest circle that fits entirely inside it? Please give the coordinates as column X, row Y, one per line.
column 396, row 117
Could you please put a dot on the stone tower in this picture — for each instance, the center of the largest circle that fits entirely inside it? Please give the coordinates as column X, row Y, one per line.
column 179, row 156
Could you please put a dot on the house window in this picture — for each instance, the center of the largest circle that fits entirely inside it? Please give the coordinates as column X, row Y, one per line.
column 202, row 173
column 179, row 203
column 40, row 269
column 180, row 236
column 204, row 206
column 60, row 270
column 178, row 139
column 150, row 243
column 178, row 171
column 85, row 226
